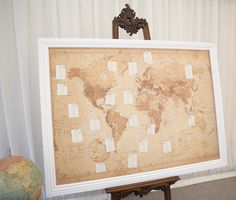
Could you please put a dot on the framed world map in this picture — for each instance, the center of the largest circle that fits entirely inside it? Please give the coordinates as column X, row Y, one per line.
column 116, row 112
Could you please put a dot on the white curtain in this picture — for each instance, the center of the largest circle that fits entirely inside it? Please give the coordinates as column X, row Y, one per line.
column 22, row 22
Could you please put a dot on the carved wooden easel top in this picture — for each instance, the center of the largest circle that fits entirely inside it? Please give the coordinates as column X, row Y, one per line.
column 132, row 25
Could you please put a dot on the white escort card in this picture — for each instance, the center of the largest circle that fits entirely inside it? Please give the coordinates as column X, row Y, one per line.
column 62, row 89
column 110, row 98
column 128, row 97
column 73, row 110
column 191, row 120
column 110, row 144
column 100, row 167
column 76, row 135
column 132, row 68
column 132, row 161
column 94, row 124
column 166, row 146
column 143, row 145
column 133, row 121
column 60, row 72
column 111, row 66
column 188, row 71
column 151, row 129
column 148, row 57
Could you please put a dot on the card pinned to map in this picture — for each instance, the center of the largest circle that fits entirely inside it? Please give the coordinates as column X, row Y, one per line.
column 60, row 72
column 151, row 129
column 73, row 110
column 110, row 144
column 188, row 71
column 148, row 57
column 166, row 146
column 128, row 97
column 110, row 98
column 112, row 66
column 94, row 124
column 62, row 89
column 143, row 145
column 132, row 68
column 191, row 120
column 133, row 121
column 76, row 135
column 100, row 167
column 132, row 161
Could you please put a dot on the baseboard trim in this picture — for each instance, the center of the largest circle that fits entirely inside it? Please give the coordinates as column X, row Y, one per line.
column 203, row 179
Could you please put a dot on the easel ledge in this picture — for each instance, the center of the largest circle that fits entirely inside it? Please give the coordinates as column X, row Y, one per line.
column 143, row 188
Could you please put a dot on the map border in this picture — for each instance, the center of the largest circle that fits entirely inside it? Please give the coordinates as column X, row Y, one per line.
column 46, row 116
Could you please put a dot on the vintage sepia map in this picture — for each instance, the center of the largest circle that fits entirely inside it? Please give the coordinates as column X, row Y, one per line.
column 123, row 111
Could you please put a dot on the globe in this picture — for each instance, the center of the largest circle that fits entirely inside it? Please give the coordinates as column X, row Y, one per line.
column 20, row 179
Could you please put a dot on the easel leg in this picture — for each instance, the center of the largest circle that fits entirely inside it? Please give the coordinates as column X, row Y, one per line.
column 167, row 193
column 114, row 196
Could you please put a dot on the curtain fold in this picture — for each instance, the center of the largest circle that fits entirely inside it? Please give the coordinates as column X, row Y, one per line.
column 25, row 21
column 14, row 90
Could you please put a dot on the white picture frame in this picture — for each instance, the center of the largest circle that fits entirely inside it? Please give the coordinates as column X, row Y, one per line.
column 52, row 189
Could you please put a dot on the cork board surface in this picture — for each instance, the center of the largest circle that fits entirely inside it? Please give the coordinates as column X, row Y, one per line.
column 124, row 111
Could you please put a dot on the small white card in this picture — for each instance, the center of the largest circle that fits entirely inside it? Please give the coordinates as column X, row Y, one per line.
column 110, row 98
column 109, row 144
column 111, row 66
column 151, row 129
column 128, row 97
column 188, row 71
column 76, row 135
column 73, row 110
column 62, row 89
column 94, row 124
column 148, row 57
column 132, row 161
column 132, row 68
column 133, row 121
column 191, row 120
column 166, row 146
column 60, row 72
column 100, row 167
column 143, row 145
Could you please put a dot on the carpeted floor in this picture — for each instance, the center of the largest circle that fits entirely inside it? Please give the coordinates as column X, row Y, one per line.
column 224, row 189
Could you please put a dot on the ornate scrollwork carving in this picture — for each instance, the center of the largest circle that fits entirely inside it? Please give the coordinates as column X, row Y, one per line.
column 130, row 23
column 141, row 191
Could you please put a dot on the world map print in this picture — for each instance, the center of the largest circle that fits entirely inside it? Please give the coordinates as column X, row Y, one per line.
column 124, row 111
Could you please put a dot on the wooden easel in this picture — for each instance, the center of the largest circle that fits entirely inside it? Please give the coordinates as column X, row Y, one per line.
column 132, row 24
